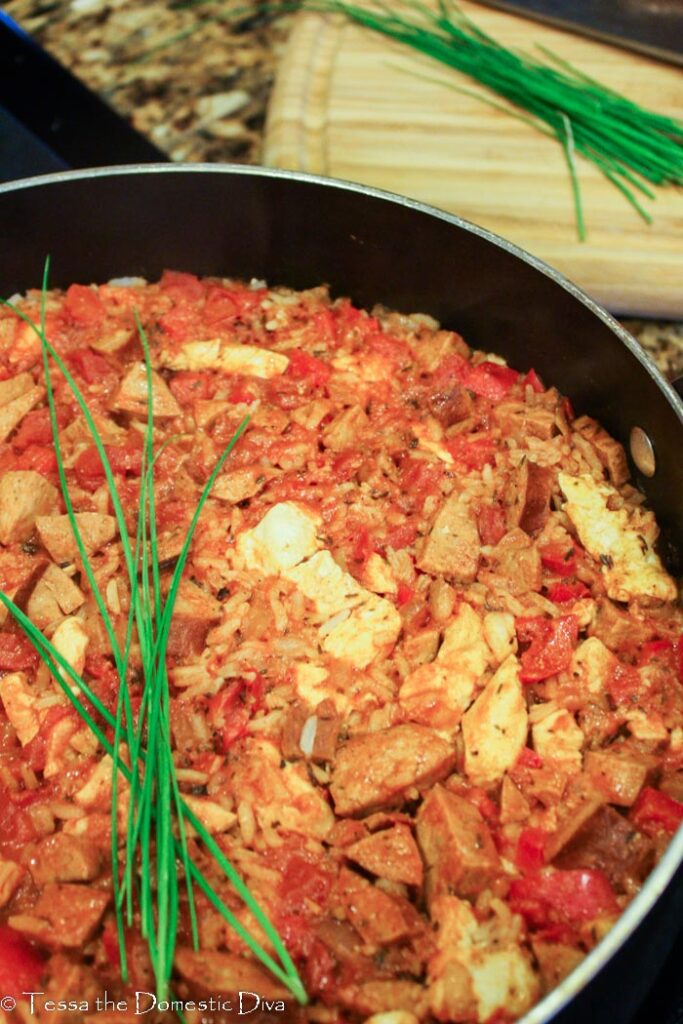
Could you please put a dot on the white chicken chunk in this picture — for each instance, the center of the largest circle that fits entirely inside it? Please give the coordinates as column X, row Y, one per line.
column 132, row 395
column 24, row 495
column 71, row 640
column 631, row 567
column 495, row 727
column 249, row 360
column 358, row 626
column 19, row 703
column 591, row 666
column 437, row 694
column 286, row 535
column 559, row 740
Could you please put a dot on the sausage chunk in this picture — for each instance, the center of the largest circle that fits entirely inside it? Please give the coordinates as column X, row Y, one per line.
column 376, row 769
column 452, row 547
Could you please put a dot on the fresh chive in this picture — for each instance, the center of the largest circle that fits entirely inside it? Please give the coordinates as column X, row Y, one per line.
column 156, row 806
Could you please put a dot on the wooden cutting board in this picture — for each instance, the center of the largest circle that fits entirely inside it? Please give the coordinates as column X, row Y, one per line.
column 343, row 105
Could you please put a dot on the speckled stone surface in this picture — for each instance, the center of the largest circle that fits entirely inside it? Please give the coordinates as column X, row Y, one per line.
column 195, row 77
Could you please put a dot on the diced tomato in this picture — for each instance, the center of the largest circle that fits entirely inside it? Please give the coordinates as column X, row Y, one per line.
column 36, row 428
column 188, row 386
column 319, row 972
column 346, row 465
column 40, row 460
column 181, row 287
column 89, row 365
column 491, row 523
column 180, row 322
column 220, row 305
column 655, row 812
column 21, row 964
column 551, row 641
column 624, row 683
column 668, row 652
column 472, row 452
column 559, row 559
column 16, row 824
column 363, row 545
column 125, row 460
column 83, row 305
column 350, row 318
column 402, row 536
column 530, row 851
column 420, row 477
column 303, row 879
column 303, row 366
column 490, row 380
column 404, row 594
column 565, row 593
column 534, row 382
column 242, row 394
column 232, row 707
column 17, row 653
column 574, row 896
column 529, row 759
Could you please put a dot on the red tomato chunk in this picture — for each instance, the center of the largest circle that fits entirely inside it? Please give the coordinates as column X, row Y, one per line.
column 551, row 643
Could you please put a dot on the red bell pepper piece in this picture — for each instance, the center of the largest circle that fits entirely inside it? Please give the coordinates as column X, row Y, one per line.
column 83, row 305
column 575, row 896
column 559, row 559
column 655, row 811
column 303, row 366
column 551, row 641
column 21, row 964
column 17, row 653
column 490, row 380
column 89, row 365
column 124, row 460
column 36, row 428
column 401, row 536
column 40, row 460
column 534, row 381
column 530, row 850
column 565, row 593
column 404, row 594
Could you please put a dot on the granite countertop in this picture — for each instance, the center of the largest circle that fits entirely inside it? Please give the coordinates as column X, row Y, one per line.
column 195, row 77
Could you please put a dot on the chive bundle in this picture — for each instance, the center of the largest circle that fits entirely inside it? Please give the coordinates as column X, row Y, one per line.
column 156, row 846
column 631, row 146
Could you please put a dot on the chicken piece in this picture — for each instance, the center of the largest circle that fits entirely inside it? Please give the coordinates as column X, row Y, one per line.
column 96, row 529
column 15, row 386
column 71, row 640
column 311, row 415
column 514, row 806
column 210, row 814
column 500, row 634
column 608, row 450
column 378, row 918
column 132, row 395
column 390, row 853
column 622, row 541
column 286, row 535
column 14, row 411
column 377, row 769
column 64, row 858
column 515, row 565
column 555, row 961
column 24, row 495
column 66, row 915
column 495, row 727
column 55, row 594
column 393, row 1017
column 452, row 547
column 559, row 740
column 439, row 693
column 345, row 429
column 421, row 648
column 619, row 776
column 519, row 420
column 240, row 484
column 530, row 491
column 378, row 576
column 281, row 796
column 609, row 842
column 194, row 613
column 11, row 875
column 479, row 968
column 456, row 844
column 357, row 626
column 19, row 703
column 592, row 666
column 215, row 354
